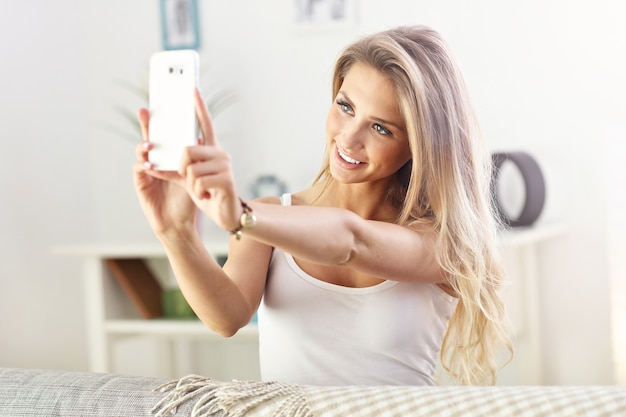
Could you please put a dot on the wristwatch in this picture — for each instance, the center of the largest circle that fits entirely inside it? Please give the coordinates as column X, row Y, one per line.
column 246, row 221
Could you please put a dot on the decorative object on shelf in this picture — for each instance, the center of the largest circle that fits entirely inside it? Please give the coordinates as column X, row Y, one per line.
column 267, row 185
column 145, row 291
column 140, row 284
column 533, row 182
column 175, row 306
column 179, row 24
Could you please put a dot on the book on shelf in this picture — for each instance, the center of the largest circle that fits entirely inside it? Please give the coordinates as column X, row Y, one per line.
column 140, row 284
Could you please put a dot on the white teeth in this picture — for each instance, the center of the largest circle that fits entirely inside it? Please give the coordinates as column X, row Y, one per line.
column 347, row 158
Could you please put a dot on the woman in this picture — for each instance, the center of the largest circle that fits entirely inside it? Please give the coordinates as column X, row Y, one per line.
column 385, row 262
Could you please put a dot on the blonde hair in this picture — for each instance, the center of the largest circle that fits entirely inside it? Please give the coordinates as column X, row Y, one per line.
column 446, row 184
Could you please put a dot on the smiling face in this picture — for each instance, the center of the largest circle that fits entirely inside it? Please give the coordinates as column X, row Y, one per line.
column 367, row 139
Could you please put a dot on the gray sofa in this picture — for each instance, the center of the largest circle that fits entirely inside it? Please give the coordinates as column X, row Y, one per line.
column 43, row 393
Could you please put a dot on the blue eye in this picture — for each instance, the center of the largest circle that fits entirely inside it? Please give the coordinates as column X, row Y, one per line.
column 381, row 130
column 345, row 107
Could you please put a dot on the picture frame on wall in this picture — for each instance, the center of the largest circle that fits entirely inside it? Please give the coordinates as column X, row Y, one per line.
column 179, row 23
column 323, row 15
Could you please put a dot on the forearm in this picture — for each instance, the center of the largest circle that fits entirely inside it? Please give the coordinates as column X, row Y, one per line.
column 321, row 235
column 214, row 297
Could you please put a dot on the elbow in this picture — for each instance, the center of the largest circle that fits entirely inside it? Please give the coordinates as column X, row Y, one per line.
column 230, row 327
column 226, row 329
column 348, row 250
column 227, row 332
column 344, row 258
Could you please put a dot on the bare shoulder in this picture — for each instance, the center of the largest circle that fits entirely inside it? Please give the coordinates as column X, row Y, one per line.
column 425, row 227
column 298, row 199
column 268, row 200
column 307, row 197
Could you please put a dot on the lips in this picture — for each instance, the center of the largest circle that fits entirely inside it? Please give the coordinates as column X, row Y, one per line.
column 346, row 158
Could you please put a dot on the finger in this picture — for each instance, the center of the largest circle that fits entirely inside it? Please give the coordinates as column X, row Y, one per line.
column 146, row 169
column 194, row 154
column 208, row 185
column 143, row 115
column 139, row 167
column 206, row 175
column 204, row 120
column 142, row 149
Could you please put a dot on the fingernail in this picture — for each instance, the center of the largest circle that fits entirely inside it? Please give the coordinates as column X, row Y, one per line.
column 148, row 165
column 146, row 145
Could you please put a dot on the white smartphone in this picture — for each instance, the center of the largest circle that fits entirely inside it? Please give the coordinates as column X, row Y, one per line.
column 173, row 123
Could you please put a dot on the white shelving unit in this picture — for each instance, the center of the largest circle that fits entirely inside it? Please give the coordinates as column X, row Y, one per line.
column 522, row 298
column 111, row 316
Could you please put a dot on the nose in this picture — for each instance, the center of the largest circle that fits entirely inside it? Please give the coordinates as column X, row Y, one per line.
column 351, row 137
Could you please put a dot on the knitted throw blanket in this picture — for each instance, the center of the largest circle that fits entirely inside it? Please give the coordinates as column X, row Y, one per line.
column 274, row 399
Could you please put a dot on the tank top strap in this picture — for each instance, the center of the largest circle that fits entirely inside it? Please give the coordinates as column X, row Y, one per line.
column 285, row 199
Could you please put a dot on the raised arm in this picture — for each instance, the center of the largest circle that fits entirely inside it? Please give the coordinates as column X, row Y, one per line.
column 224, row 299
column 333, row 236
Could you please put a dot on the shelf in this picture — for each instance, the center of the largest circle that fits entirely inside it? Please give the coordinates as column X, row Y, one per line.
column 515, row 236
column 521, row 236
column 170, row 328
column 130, row 250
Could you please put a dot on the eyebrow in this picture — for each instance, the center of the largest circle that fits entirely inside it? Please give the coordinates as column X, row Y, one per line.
column 376, row 119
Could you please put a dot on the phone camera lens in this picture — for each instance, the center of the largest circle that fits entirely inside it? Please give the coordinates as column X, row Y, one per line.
column 171, row 70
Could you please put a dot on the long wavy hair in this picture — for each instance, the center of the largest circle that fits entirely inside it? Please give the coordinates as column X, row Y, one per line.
column 445, row 184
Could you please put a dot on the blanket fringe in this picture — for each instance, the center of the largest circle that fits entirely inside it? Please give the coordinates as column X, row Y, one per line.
column 234, row 399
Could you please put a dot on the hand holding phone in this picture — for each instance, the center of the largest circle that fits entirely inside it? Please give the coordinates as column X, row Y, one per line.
column 173, row 123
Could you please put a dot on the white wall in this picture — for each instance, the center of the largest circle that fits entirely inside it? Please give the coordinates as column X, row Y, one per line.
column 615, row 179
column 45, row 184
column 546, row 77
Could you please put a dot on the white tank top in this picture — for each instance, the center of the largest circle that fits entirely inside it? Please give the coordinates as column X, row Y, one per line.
column 316, row 333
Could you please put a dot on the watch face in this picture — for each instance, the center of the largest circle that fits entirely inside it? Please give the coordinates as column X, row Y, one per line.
column 248, row 220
